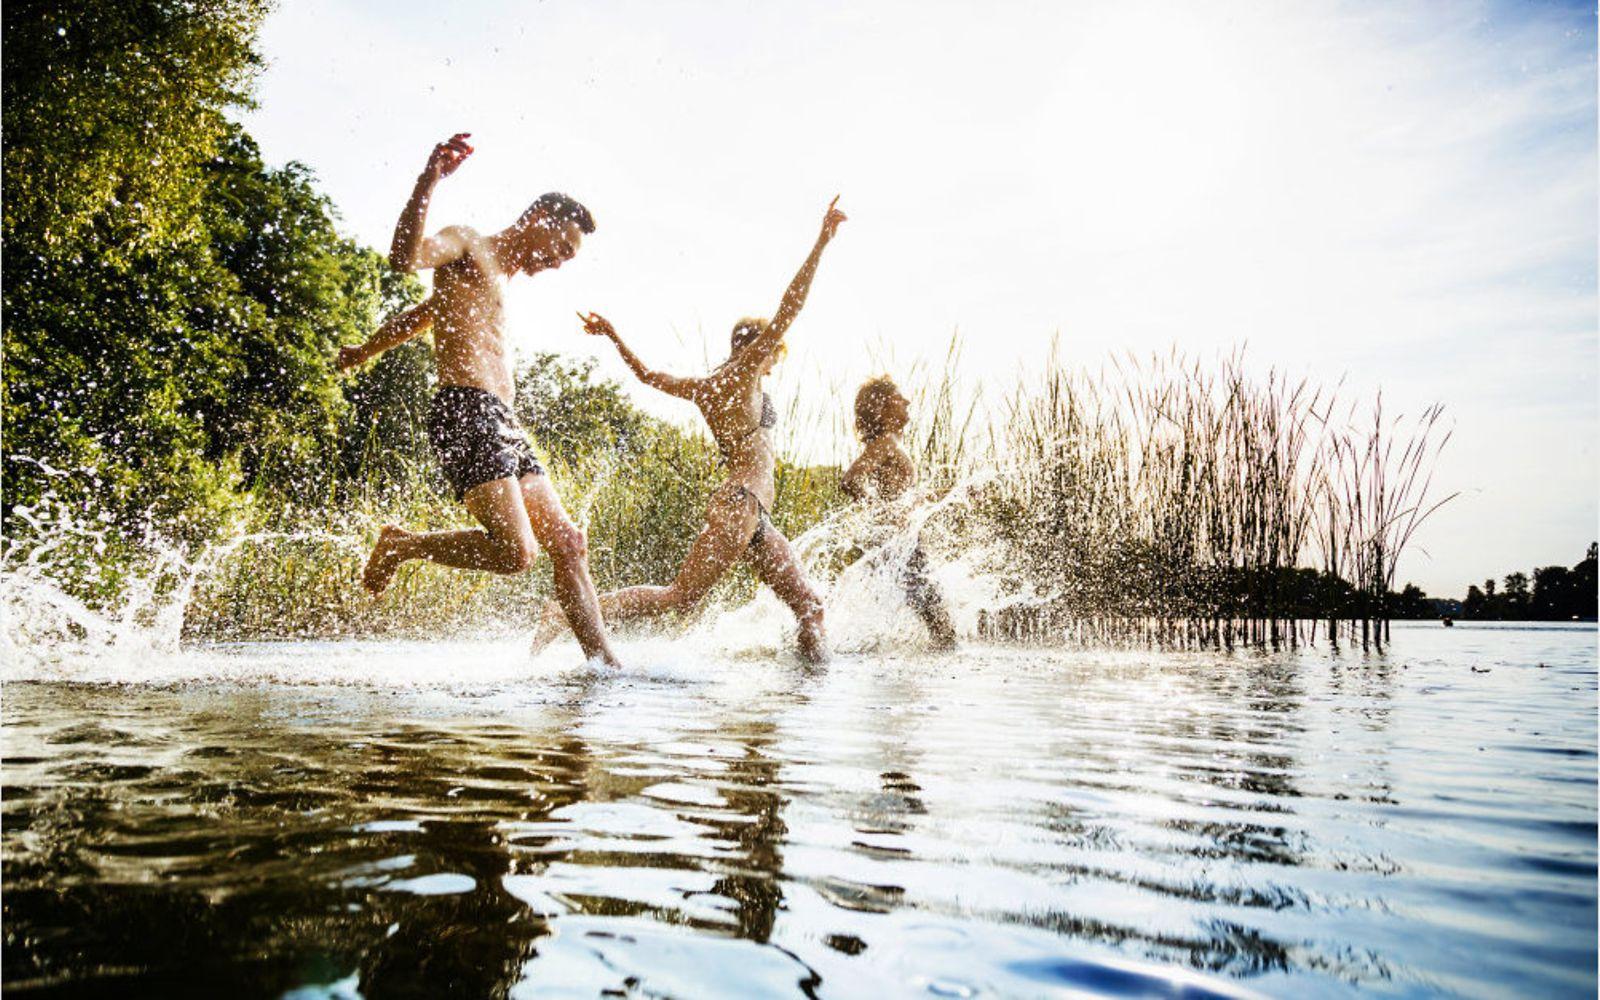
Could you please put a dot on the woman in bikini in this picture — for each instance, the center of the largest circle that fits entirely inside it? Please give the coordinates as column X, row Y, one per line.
column 738, row 526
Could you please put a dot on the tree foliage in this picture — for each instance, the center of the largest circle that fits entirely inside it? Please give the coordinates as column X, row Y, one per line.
column 1557, row 593
column 171, row 303
column 109, row 109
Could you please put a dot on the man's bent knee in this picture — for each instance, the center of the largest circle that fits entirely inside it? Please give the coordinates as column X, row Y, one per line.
column 516, row 557
column 568, row 543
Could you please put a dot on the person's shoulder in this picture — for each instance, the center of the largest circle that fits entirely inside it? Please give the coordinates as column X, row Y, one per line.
column 476, row 249
column 464, row 237
column 891, row 449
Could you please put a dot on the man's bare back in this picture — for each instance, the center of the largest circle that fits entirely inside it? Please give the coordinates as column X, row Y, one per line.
column 884, row 470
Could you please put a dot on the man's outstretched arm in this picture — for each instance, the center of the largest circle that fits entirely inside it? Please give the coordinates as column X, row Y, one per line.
column 409, row 251
column 400, row 328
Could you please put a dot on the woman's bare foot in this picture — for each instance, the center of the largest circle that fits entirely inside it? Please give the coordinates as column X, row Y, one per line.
column 552, row 622
column 385, row 559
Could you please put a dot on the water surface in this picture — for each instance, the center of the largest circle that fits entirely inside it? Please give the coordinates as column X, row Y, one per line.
column 408, row 819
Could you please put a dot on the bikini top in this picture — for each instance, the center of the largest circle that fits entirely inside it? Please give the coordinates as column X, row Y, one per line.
column 769, row 418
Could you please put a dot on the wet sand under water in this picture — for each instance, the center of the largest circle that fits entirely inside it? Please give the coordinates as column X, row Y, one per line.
column 405, row 819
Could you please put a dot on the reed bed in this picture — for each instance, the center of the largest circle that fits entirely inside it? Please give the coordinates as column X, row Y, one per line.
column 1160, row 501
column 1165, row 502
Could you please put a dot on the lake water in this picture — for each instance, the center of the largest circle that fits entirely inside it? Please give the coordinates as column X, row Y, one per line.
column 411, row 819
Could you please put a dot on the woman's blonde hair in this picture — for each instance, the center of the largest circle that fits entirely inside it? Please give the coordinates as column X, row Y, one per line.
column 871, row 399
column 749, row 329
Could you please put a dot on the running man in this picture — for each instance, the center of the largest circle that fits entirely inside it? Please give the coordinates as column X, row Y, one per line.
column 480, row 447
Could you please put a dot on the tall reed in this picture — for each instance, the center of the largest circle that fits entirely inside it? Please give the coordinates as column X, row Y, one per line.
column 1158, row 501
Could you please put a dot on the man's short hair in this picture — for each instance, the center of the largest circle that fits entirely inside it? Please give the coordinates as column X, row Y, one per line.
column 564, row 209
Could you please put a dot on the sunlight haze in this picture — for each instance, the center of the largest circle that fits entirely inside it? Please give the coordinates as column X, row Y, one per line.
column 1402, row 196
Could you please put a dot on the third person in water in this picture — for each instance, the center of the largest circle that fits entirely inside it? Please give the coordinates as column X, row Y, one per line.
column 883, row 474
column 740, row 416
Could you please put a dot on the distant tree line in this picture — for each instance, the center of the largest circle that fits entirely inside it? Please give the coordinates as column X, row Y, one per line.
column 1552, row 593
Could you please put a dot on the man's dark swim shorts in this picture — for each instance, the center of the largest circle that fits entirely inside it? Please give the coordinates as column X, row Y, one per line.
column 477, row 439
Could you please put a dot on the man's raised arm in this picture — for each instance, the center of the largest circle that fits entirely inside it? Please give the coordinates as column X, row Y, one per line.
column 409, row 251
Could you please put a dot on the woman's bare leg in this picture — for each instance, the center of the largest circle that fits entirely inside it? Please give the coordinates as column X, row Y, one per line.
column 729, row 525
column 777, row 567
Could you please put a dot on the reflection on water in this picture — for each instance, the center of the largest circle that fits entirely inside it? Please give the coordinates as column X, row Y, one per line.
column 1000, row 821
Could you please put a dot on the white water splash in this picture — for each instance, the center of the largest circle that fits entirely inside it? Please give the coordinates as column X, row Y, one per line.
column 857, row 557
column 134, row 632
column 860, row 557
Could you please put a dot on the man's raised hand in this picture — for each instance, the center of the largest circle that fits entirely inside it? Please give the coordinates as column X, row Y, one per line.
column 448, row 155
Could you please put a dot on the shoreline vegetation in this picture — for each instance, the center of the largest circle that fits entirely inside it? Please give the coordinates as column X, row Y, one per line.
column 172, row 306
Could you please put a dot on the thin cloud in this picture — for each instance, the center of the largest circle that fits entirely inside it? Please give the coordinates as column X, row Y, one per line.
column 1403, row 194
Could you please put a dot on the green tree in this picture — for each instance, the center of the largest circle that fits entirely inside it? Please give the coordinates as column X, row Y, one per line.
column 299, row 290
column 1585, row 592
column 110, row 108
column 171, row 303
column 572, row 415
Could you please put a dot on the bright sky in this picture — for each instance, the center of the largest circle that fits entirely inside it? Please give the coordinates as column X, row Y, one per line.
column 1401, row 195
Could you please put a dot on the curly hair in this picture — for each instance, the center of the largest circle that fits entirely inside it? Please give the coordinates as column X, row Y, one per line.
column 871, row 398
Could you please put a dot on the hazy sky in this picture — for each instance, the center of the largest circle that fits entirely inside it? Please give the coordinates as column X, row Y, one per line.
column 1400, row 195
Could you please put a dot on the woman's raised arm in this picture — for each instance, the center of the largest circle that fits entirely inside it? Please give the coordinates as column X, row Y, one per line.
column 794, row 296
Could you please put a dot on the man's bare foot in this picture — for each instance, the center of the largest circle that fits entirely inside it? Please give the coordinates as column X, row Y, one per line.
column 385, row 559
column 551, row 624
column 813, row 643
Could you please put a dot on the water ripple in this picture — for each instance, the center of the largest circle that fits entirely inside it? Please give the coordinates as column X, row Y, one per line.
column 1015, row 823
